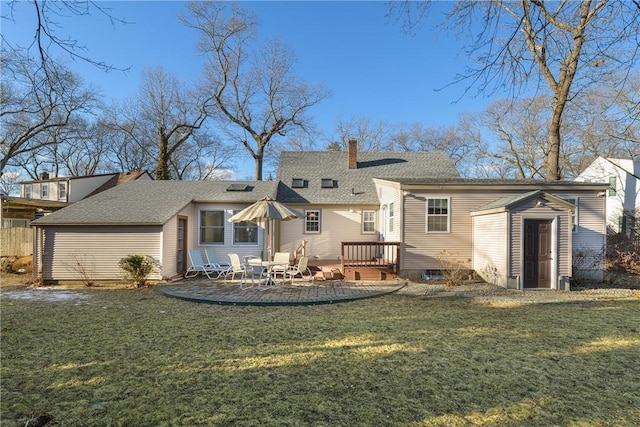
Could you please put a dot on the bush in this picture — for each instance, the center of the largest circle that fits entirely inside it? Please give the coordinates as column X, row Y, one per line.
column 137, row 268
column 454, row 270
column 622, row 257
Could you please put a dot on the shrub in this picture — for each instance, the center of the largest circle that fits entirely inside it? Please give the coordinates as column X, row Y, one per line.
column 84, row 266
column 622, row 255
column 454, row 270
column 585, row 260
column 137, row 268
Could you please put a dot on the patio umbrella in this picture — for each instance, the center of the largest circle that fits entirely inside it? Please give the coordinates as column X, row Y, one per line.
column 263, row 211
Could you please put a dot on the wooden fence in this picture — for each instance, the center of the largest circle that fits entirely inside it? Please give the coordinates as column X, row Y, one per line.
column 16, row 241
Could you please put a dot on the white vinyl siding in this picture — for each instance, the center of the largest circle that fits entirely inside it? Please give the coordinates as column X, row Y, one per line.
column 339, row 224
column 490, row 247
column 97, row 248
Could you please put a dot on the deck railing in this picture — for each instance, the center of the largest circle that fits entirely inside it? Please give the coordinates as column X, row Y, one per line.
column 370, row 254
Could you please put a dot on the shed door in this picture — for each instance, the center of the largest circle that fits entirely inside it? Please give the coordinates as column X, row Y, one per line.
column 537, row 253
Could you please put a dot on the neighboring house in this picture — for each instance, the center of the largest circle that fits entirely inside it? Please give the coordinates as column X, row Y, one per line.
column 623, row 194
column 403, row 209
column 46, row 195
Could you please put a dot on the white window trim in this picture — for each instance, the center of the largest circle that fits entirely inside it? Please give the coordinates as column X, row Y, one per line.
column 306, row 230
column 224, row 226
column 28, row 191
column 391, row 217
column 44, row 190
column 426, row 219
column 373, row 222
column 62, row 195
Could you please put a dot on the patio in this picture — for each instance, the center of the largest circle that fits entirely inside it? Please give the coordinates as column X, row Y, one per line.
column 201, row 289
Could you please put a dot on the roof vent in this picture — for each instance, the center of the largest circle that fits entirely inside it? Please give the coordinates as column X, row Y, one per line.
column 328, row 183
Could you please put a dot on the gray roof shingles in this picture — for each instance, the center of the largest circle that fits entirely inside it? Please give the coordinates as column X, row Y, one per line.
column 353, row 185
column 151, row 202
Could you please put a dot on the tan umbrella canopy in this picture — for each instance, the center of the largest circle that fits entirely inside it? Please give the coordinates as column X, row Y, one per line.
column 265, row 210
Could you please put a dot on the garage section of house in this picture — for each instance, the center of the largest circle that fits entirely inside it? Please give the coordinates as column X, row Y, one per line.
column 92, row 252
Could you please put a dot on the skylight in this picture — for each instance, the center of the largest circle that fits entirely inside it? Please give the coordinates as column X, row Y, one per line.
column 237, row 187
column 297, row 183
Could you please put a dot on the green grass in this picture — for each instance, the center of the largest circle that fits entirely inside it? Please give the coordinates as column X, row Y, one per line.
column 137, row 358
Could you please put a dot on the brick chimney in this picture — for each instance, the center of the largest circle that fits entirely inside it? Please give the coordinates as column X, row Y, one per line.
column 352, row 154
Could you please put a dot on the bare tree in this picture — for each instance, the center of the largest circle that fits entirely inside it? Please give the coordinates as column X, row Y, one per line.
column 164, row 112
column 256, row 96
column 34, row 103
column 371, row 135
column 47, row 42
column 562, row 47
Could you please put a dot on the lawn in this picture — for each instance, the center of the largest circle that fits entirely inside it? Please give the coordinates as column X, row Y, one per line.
column 137, row 358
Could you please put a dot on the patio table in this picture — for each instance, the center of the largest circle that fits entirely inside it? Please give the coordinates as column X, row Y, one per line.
column 268, row 265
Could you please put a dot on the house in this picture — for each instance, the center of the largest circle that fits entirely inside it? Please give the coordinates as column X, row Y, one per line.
column 48, row 194
column 392, row 214
column 623, row 192
column 518, row 234
column 161, row 219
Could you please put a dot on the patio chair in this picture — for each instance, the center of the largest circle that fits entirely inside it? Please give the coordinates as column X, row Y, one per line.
column 301, row 268
column 236, row 268
column 212, row 259
column 198, row 265
column 280, row 270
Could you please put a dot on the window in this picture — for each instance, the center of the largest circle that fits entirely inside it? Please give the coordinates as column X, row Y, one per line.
column 28, row 191
column 245, row 232
column 437, row 215
column 574, row 215
column 613, row 184
column 327, row 183
column 44, row 191
column 62, row 190
column 368, row 221
column 212, row 227
column 312, row 221
column 297, row 183
column 391, row 218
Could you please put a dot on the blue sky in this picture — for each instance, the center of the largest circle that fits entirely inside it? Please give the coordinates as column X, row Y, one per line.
column 372, row 68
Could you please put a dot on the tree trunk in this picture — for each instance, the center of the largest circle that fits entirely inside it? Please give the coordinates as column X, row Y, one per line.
column 553, row 155
column 162, row 169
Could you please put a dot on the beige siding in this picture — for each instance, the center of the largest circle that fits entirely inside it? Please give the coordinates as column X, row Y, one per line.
column 421, row 248
column 591, row 231
column 170, row 241
column 490, row 247
column 97, row 249
column 337, row 224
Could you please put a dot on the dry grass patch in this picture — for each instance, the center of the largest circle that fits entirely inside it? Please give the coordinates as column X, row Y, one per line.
column 135, row 357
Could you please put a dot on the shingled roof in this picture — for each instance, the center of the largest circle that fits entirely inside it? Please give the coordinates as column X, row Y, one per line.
column 343, row 184
column 151, row 202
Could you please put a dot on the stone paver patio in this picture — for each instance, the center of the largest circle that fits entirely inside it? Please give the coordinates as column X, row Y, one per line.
column 201, row 289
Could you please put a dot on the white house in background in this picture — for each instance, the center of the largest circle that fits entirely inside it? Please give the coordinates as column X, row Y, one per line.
column 623, row 195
